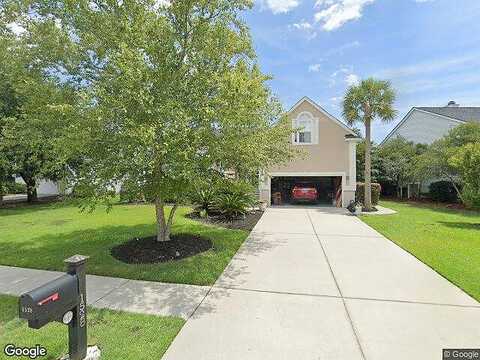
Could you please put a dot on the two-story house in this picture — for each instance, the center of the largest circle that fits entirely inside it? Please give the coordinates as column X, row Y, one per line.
column 328, row 160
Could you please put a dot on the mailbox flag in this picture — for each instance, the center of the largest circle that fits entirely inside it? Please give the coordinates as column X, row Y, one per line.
column 53, row 297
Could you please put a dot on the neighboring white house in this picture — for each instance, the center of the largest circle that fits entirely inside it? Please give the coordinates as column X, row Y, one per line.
column 424, row 125
column 45, row 187
column 328, row 161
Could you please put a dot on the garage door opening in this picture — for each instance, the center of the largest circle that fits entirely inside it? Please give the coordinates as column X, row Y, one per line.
column 321, row 190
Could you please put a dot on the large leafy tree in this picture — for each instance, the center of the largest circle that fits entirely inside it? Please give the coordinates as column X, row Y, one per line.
column 35, row 102
column 446, row 157
column 366, row 102
column 467, row 162
column 7, row 104
column 171, row 91
column 398, row 158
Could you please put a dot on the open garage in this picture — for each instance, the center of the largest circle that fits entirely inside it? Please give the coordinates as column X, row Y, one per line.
column 318, row 190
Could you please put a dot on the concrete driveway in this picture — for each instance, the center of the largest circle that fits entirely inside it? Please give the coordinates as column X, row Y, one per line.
column 315, row 283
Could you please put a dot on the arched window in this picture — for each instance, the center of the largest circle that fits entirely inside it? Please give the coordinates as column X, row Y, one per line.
column 305, row 125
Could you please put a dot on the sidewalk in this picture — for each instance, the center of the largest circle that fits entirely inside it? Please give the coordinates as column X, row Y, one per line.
column 114, row 293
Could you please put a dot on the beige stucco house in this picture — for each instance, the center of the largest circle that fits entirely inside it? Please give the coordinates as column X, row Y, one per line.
column 328, row 158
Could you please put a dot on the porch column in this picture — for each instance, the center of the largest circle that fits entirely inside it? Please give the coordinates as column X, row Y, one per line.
column 350, row 186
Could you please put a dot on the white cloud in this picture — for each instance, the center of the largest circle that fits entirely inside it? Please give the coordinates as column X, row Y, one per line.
column 352, row 79
column 333, row 14
column 346, row 74
column 431, row 66
column 280, row 6
column 314, row 68
column 340, row 50
column 305, row 27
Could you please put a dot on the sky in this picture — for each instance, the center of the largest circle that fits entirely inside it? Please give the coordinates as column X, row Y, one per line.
column 428, row 49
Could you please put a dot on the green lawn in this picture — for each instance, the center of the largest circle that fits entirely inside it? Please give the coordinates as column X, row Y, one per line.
column 42, row 236
column 446, row 240
column 109, row 330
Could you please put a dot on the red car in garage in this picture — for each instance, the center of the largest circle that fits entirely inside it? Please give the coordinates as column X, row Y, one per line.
column 304, row 191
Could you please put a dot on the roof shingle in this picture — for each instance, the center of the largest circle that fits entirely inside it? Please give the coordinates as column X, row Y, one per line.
column 467, row 114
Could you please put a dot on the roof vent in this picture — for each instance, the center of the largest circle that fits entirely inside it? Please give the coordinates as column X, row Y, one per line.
column 452, row 104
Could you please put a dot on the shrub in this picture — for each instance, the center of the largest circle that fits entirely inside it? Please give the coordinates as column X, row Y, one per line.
column 471, row 196
column 233, row 199
column 224, row 197
column 202, row 198
column 232, row 206
column 360, row 193
column 16, row 188
column 389, row 188
column 443, row 191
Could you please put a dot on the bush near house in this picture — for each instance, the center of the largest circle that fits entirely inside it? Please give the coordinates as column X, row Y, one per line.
column 15, row 188
column 228, row 198
column 443, row 191
column 376, row 190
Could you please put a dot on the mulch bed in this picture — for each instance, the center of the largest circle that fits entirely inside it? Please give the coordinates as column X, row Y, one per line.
column 149, row 251
column 244, row 223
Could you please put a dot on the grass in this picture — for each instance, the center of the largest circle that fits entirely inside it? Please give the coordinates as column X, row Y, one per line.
column 109, row 330
column 42, row 236
column 446, row 240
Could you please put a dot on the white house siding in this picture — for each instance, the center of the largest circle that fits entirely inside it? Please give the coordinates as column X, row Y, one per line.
column 44, row 187
column 424, row 128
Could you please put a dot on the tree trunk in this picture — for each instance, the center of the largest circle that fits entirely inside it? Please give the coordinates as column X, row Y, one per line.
column 452, row 181
column 164, row 224
column 368, row 167
column 31, row 184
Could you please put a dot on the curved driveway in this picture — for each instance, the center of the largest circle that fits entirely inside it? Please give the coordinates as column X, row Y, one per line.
column 316, row 283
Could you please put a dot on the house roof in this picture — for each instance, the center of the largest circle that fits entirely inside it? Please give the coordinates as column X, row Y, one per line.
column 322, row 110
column 466, row 114
column 461, row 114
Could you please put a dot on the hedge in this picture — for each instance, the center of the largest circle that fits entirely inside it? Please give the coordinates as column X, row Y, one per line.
column 376, row 190
column 443, row 191
column 15, row 188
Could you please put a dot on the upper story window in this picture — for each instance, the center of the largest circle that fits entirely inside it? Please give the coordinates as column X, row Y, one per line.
column 305, row 124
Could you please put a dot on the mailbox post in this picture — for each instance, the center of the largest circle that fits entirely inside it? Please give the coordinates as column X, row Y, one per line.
column 77, row 328
column 63, row 300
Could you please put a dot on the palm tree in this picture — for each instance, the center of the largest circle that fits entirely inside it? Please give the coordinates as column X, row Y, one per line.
column 369, row 100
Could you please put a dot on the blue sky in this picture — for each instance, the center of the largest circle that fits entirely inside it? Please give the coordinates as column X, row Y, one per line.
column 429, row 49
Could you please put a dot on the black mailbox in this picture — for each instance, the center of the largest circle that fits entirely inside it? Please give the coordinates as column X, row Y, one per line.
column 50, row 302
column 63, row 300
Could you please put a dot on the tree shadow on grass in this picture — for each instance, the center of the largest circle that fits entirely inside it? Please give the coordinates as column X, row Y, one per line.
column 461, row 225
column 438, row 207
column 22, row 209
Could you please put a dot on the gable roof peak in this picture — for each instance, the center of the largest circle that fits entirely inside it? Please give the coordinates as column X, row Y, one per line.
column 323, row 111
